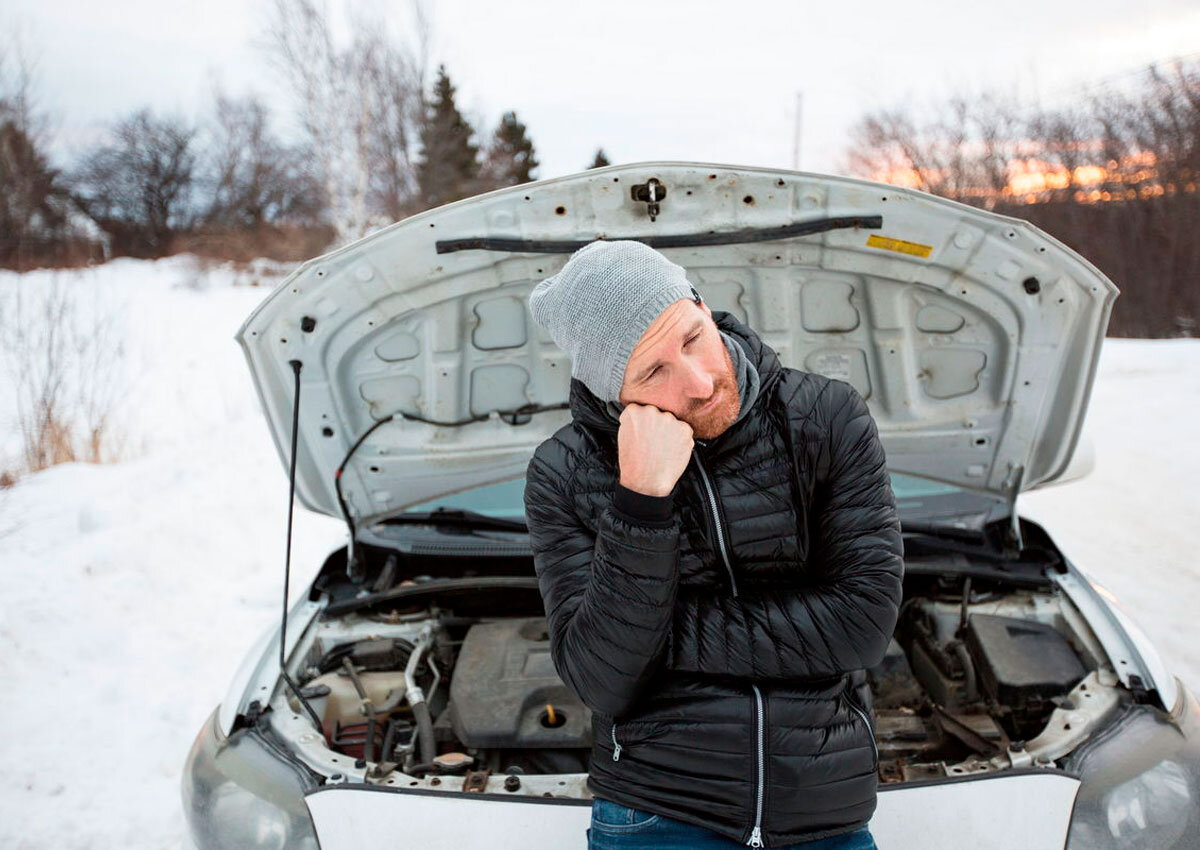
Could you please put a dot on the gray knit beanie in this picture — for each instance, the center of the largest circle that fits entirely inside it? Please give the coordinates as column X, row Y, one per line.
column 600, row 303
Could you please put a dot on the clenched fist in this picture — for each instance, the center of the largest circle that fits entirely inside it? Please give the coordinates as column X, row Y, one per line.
column 653, row 449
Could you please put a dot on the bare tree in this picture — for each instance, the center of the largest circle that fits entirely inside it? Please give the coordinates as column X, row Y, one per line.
column 998, row 128
column 138, row 185
column 358, row 106
column 249, row 178
column 964, row 148
column 884, row 146
column 1150, row 139
column 397, row 89
column 1115, row 174
column 1063, row 142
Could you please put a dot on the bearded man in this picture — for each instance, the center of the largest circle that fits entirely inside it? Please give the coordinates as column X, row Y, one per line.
column 718, row 549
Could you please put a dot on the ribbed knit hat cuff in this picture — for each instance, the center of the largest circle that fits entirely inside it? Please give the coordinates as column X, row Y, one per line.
column 641, row 319
column 601, row 301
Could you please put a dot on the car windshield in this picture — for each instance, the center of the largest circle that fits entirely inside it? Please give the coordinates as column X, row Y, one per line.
column 507, row 499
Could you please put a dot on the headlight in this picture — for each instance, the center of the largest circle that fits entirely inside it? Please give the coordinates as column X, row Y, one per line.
column 238, row 794
column 1141, row 782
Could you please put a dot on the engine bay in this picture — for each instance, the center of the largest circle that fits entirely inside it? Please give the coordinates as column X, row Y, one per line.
column 976, row 678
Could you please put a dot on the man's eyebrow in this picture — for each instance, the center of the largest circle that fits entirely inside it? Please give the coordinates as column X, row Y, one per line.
column 697, row 325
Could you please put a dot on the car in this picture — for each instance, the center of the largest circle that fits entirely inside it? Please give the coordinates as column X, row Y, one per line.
column 409, row 697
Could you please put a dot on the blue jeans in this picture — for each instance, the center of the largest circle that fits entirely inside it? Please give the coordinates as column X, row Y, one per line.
column 617, row 827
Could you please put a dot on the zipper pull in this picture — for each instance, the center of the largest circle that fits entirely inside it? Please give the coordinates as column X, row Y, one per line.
column 756, row 838
column 616, row 746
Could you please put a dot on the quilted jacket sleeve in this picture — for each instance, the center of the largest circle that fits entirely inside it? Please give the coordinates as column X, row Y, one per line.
column 844, row 620
column 609, row 594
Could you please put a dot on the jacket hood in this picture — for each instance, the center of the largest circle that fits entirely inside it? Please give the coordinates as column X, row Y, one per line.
column 588, row 409
column 973, row 337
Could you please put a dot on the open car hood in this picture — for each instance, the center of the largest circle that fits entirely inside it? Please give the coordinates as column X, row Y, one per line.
column 973, row 337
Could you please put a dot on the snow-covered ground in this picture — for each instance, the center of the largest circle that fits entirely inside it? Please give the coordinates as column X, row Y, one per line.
column 130, row 591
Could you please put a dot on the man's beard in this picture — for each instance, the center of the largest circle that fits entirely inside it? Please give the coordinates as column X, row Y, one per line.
column 712, row 423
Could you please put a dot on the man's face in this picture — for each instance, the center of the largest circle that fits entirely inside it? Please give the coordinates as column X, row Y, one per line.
column 681, row 365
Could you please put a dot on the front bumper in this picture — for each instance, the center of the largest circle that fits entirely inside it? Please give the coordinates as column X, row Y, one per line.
column 1134, row 786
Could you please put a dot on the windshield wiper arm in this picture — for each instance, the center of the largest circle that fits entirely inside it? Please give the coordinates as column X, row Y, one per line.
column 459, row 517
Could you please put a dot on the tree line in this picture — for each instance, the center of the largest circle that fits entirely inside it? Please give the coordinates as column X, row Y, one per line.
column 373, row 146
column 1113, row 173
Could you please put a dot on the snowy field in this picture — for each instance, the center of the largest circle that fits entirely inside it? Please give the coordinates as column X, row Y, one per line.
column 130, row 591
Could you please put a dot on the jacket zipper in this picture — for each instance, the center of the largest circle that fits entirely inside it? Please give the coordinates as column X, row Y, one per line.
column 616, row 746
column 712, row 501
column 867, row 723
column 756, row 833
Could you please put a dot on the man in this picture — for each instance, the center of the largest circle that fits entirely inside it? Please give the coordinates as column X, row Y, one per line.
column 717, row 546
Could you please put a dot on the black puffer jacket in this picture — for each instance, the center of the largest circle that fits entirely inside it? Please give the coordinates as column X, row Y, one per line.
column 719, row 634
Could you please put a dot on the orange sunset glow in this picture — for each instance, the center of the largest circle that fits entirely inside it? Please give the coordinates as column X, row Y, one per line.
column 1032, row 179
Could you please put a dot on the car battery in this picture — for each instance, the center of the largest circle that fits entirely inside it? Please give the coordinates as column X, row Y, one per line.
column 1021, row 663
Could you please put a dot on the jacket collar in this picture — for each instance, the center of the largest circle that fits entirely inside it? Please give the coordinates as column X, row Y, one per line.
column 587, row 409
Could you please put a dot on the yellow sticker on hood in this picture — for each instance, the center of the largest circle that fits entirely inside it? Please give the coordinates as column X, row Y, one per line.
column 887, row 243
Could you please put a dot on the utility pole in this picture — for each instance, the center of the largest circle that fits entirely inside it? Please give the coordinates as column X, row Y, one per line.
column 796, row 133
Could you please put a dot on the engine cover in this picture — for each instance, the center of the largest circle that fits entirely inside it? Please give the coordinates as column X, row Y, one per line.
column 506, row 693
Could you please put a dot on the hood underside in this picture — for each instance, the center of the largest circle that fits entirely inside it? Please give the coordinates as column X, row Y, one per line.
column 973, row 337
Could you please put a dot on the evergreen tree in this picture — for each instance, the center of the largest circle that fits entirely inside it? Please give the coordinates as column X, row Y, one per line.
column 448, row 166
column 601, row 160
column 510, row 159
column 32, row 201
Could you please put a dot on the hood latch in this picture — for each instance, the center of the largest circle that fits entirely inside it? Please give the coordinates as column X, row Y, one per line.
column 650, row 193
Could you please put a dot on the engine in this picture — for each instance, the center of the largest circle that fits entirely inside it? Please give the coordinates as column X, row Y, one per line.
column 492, row 698
column 428, row 692
column 970, row 679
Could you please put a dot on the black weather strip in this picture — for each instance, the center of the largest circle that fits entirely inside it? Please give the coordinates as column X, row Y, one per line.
column 681, row 240
column 432, row 588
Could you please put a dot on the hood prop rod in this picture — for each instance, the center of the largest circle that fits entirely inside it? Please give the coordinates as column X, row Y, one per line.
column 1012, row 486
column 287, row 561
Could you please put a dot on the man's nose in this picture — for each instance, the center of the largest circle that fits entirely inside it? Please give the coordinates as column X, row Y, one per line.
column 698, row 384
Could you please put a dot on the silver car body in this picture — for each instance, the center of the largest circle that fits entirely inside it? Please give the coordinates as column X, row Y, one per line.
column 973, row 337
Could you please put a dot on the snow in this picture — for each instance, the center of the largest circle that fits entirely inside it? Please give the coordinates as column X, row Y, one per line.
column 130, row 591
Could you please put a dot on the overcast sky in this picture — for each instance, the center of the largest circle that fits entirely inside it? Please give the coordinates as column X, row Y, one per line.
column 684, row 79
